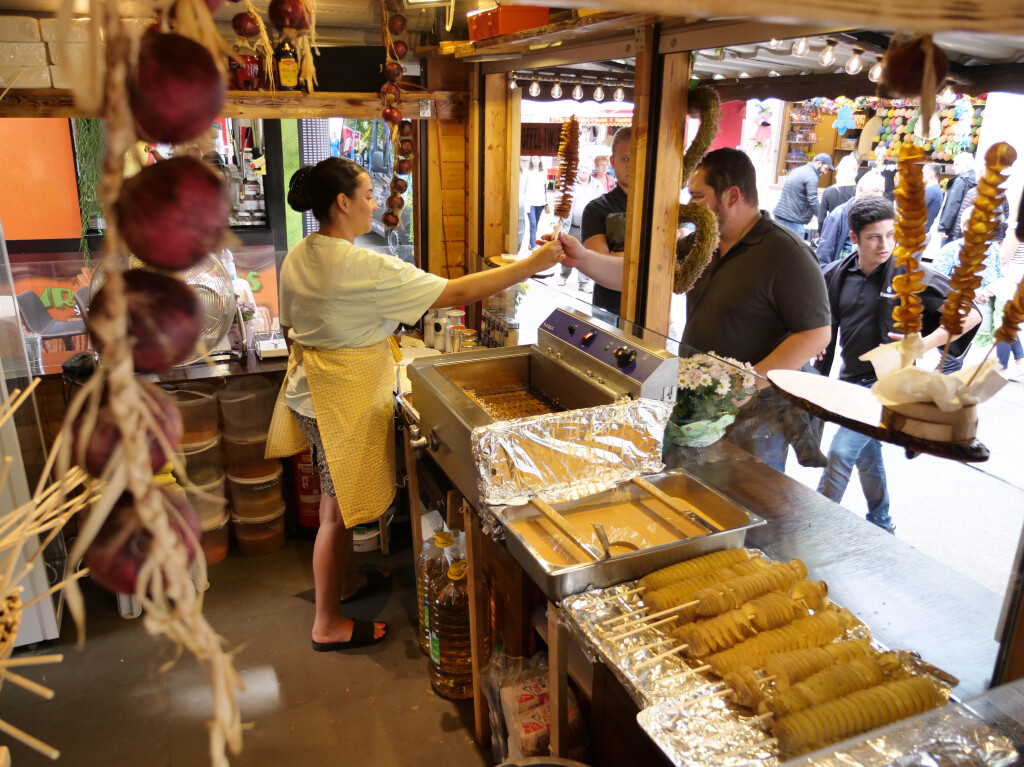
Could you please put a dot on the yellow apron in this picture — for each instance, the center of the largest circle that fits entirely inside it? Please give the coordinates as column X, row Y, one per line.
column 351, row 390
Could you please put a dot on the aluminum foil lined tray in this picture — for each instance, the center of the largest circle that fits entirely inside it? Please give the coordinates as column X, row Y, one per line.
column 679, row 712
column 948, row 736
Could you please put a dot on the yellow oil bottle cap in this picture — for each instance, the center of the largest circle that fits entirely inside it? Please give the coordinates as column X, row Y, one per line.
column 443, row 540
column 457, row 570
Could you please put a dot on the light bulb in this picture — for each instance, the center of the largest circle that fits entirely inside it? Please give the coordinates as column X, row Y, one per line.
column 577, row 93
column 854, row 64
column 773, row 73
column 801, row 47
column 743, row 75
column 619, row 94
column 718, row 76
column 875, row 73
column 534, row 89
column 598, row 93
column 774, row 43
column 948, row 95
column 828, row 56
column 556, row 91
column 512, row 85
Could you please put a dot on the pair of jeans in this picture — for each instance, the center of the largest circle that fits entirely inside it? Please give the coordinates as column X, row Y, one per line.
column 534, row 212
column 1003, row 350
column 796, row 226
column 849, row 449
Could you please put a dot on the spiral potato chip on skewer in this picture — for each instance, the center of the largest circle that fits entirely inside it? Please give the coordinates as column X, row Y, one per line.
column 568, row 162
column 1013, row 316
column 967, row 275
column 910, row 235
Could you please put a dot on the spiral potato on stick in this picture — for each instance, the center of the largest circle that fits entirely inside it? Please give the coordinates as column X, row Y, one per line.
column 912, row 213
column 1013, row 316
column 691, row 567
column 982, row 223
column 704, row 101
column 568, row 162
column 683, row 591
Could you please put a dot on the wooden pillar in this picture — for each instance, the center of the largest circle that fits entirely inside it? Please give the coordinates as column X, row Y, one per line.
column 639, row 169
column 667, row 158
column 494, row 182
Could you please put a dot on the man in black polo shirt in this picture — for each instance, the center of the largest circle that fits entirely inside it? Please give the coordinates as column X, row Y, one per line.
column 603, row 229
column 862, row 299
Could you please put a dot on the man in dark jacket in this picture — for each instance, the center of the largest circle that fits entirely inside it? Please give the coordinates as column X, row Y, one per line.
column 862, row 299
column 834, row 242
column 949, row 218
column 799, row 199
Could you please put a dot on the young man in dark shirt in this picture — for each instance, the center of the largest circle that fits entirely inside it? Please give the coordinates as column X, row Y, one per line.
column 861, row 298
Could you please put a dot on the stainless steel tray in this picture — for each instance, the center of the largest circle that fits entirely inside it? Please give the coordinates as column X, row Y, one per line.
column 558, row 581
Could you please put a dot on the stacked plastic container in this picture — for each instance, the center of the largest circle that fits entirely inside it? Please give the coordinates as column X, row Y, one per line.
column 201, row 450
column 254, row 482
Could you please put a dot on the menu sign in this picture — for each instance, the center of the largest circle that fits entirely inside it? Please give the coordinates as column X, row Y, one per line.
column 539, row 139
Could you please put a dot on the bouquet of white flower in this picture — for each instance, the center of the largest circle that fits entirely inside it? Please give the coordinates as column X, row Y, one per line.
column 709, row 388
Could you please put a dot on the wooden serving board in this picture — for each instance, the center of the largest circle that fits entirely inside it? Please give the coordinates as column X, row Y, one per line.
column 856, row 408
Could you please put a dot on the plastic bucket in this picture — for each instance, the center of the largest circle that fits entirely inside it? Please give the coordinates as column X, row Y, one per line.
column 208, row 500
column 214, row 536
column 202, row 461
column 256, row 497
column 245, row 459
column 198, row 408
column 262, row 535
column 247, row 405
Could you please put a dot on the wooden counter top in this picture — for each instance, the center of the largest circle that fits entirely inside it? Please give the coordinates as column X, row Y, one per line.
column 909, row 600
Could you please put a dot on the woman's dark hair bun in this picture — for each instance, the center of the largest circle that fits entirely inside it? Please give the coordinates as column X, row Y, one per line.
column 300, row 197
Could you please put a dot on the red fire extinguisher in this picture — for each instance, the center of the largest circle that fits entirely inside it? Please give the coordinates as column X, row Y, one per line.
column 307, row 489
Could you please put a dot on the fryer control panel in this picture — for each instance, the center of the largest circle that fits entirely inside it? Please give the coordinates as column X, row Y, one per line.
column 629, row 356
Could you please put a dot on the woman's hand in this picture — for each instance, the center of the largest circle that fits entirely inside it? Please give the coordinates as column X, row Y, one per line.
column 546, row 256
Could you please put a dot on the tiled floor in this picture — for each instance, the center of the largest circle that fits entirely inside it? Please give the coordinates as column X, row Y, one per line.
column 114, row 706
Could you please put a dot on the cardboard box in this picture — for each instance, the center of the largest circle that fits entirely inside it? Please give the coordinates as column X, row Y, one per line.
column 505, row 19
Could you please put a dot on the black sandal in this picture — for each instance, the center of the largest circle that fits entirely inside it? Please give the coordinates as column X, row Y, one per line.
column 376, row 582
column 362, row 636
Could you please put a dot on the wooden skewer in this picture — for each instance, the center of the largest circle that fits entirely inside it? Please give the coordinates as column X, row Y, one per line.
column 637, row 590
column 655, row 643
column 744, row 749
column 27, row 684
column 645, row 626
column 673, row 503
column 37, row 660
column 667, row 611
column 758, row 719
column 620, row 616
column 723, row 693
column 34, row 743
column 661, row 656
column 563, row 525
column 688, row 672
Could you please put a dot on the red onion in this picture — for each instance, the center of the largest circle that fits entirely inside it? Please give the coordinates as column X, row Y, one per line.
column 396, row 24
column 105, row 437
column 177, row 90
column 400, row 48
column 173, row 213
column 389, row 219
column 405, row 128
column 393, row 71
column 399, row 185
column 405, row 147
column 116, row 555
column 390, row 94
column 395, row 202
column 903, row 68
column 164, row 316
column 288, row 14
column 391, row 115
column 245, row 24
column 403, row 167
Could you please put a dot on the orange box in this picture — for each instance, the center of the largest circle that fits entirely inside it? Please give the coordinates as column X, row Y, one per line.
column 506, row 19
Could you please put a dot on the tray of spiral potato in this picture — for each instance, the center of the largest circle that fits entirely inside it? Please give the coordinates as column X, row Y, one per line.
column 734, row 657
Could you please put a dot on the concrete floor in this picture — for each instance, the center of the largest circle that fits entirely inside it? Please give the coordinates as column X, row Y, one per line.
column 374, row 706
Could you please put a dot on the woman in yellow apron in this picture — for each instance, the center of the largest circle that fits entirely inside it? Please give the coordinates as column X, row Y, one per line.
column 339, row 305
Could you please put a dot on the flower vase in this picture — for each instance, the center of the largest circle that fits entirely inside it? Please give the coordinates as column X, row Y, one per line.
column 698, row 432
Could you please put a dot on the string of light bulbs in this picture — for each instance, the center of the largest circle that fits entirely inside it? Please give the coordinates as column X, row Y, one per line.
column 579, row 86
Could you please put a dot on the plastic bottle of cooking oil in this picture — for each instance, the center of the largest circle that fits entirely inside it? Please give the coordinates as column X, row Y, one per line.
column 451, row 649
column 431, row 567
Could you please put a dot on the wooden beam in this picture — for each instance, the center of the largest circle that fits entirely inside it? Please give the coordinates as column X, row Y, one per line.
column 474, row 172
column 495, row 186
column 52, row 102
column 664, row 204
column 1003, row 16
column 638, row 170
